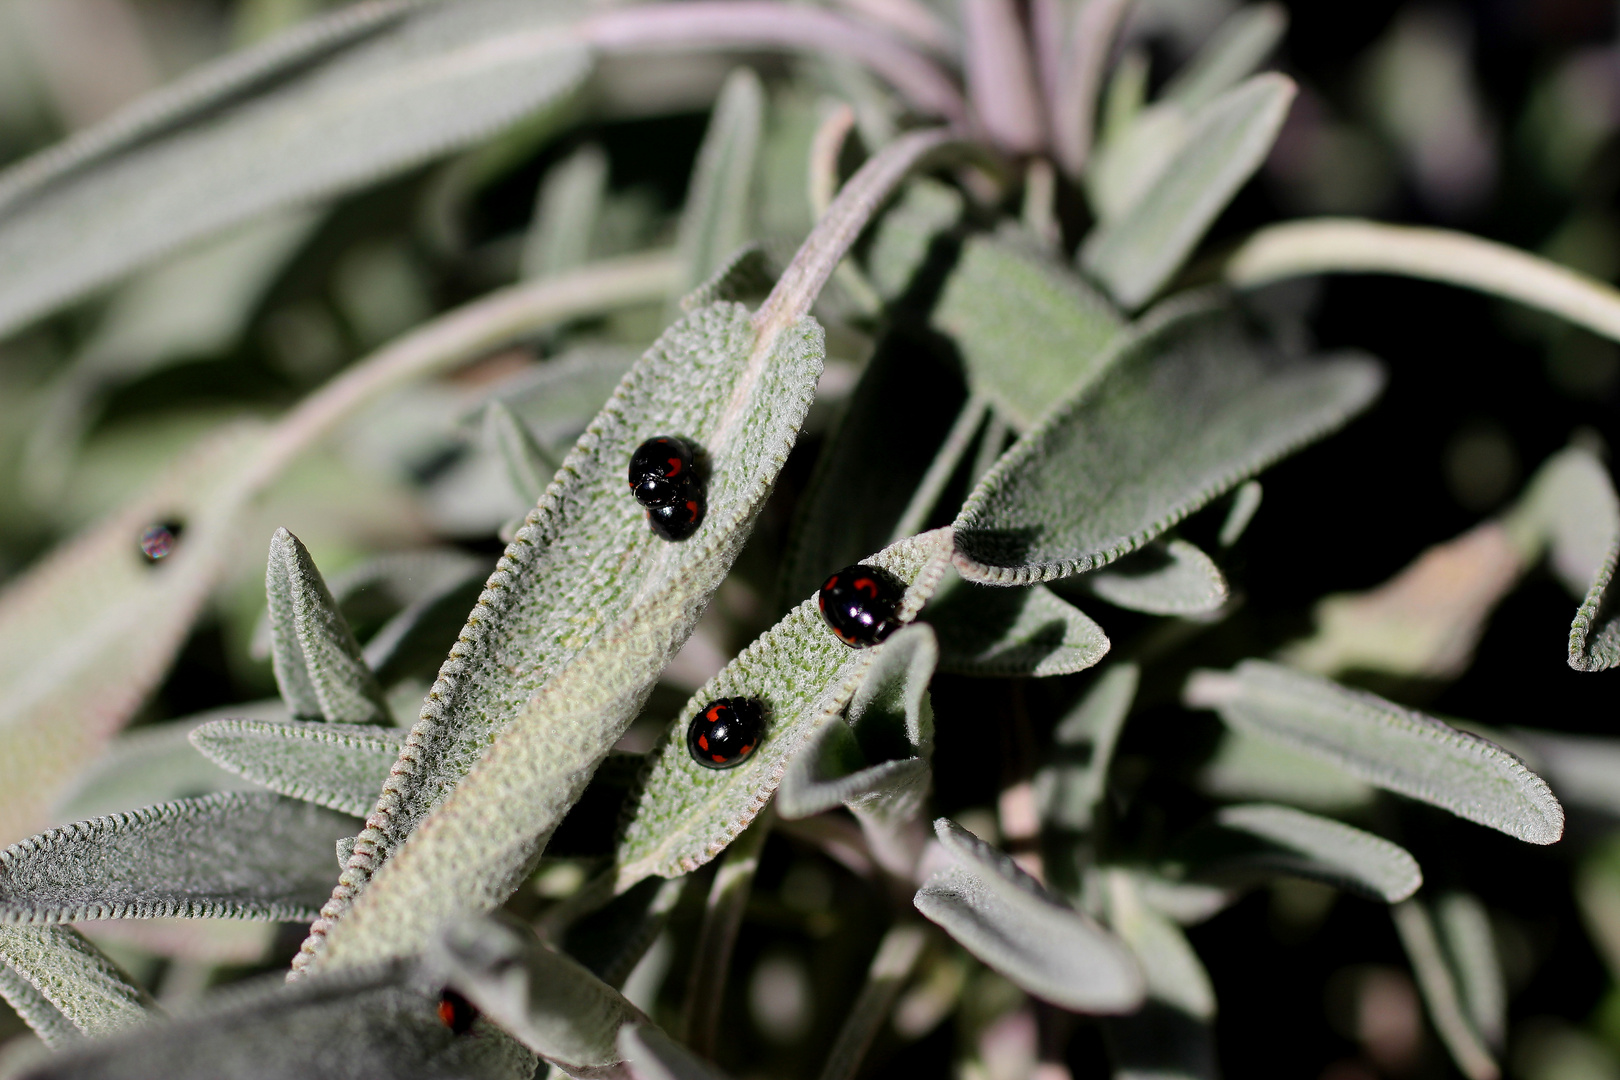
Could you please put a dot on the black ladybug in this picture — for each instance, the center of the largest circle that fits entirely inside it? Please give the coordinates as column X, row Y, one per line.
column 725, row 732
column 859, row 602
column 661, row 472
column 678, row 520
column 456, row 1012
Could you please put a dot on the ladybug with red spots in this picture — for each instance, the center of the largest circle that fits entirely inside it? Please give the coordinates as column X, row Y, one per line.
column 662, row 479
column 859, row 603
column 456, row 1012
column 725, row 732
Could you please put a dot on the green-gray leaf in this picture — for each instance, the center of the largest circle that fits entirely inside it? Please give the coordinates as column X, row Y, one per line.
column 715, row 221
column 445, row 77
column 1234, row 51
column 1384, row 744
column 904, row 239
column 556, row 1007
column 1586, row 768
column 529, row 466
column 1027, row 631
column 247, row 855
column 1029, row 330
column 1470, row 949
column 1280, row 839
column 683, row 814
column 1135, row 254
column 64, row 986
column 1440, row 992
column 565, row 212
column 1189, row 410
column 1174, row 578
column 317, row 662
column 655, row 1056
column 1069, row 789
column 342, row 768
column 1005, row 918
column 1248, row 767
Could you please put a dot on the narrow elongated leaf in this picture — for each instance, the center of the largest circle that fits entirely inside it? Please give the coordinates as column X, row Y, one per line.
column 1586, row 768
column 342, row 768
column 655, row 1056
column 1249, row 767
column 249, row 855
column 1384, row 744
column 1174, row 578
column 64, row 987
column 317, row 662
column 1136, row 254
column 528, row 466
column 1470, row 950
column 907, row 236
column 1236, row 49
column 565, row 213
column 1190, row 409
column 1289, row 841
column 1030, row 331
column 376, row 1022
column 1594, row 636
column 1440, row 993
column 715, row 221
column 1245, row 504
column 556, row 1007
column 1027, row 631
column 441, row 79
column 558, row 398
column 1005, row 918
column 684, row 814
column 1069, row 789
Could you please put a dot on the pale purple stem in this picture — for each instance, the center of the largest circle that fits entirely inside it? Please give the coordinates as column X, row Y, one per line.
column 761, row 24
column 1073, row 105
column 909, row 18
column 1000, row 76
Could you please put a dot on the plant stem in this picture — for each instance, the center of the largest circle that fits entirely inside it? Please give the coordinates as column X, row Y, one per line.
column 940, row 469
column 1350, row 246
column 897, row 954
column 728, row 897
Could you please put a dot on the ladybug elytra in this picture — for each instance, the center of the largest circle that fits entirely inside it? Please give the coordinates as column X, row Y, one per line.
column 456, row 1012
column 660, row 471
column 859, row 603
column 678, row 520
column 725, row 731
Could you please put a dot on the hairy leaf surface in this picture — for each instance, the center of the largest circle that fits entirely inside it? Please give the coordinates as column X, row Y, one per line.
column 1026, row 631
column 247, row 855
column 342, row 768
column 1174, row 578
column 1289, row 841
column 1190, row 409
column 1384, row 744
column 64, row 986
column 1069, row 788
column 715, row 220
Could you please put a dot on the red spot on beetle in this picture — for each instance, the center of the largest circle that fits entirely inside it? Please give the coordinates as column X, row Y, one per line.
column 866, row 585
column 713, row 714
column 703, row 741
column 721, row 758
column 674, row 467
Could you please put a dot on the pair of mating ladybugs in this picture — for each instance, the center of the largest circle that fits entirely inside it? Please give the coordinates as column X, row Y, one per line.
column 663, row 479
column 858, row 602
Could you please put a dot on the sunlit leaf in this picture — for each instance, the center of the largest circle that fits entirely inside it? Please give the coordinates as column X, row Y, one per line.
column 1248, row 767
column 64, row 987
column 655, row 1056
column 247, row 855
column 565, row 214
column 1384, row 744
column 1173, row 578
column 338, row 767
column 1438, row 984
column 528, row 466
column 1233, row 52
column 718, row 211
column 1257, row 840
column 1190, row 408
column 1006, row 919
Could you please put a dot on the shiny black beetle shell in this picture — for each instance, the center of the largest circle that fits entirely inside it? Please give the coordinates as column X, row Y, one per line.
column 725, row 732
column 678, row 520
column 859, row 603
column 661, row 472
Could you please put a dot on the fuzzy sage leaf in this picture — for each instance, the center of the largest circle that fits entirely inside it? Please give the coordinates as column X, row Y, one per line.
column 1010, row 922
column 342, row 768
column 1384, row 744
column 1069, row 789
column 1174, row 578
column 245, row 855
column 718, row 211
column 1026, row 631
column 65, row 987
column 1191, row 408
column 317, row 662
column 1261, row 839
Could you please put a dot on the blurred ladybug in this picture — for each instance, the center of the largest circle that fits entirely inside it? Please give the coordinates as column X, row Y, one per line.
column 859, row 604
column 456, row 1012
column 661, row 472
column 725, row 732
column 678, row 520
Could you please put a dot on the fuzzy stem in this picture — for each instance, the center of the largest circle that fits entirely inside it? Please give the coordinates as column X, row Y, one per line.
column 722, row 918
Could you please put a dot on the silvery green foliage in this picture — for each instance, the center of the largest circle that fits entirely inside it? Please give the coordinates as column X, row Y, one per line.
column 1248, row 767
column 565, row 214
column 250, row 855
column 655, row 1056
column 64, row 987
column 1172, row 578
column 432, row 81
column 1024, row 631
column 338, row 767
column 555, row 1006
column 1069, row 788
column 902, row 239
column 1238, row 47
column 1594, row 636
column 584, row 590
column 1191, row 407
column 1262, row 839
column 1442, row 996
column 318, row 665
column 682, row 814
column 718, row 212
column 1015, row 926
column 1384, row 744
column 1245, row 504
column 1469, row 945
column 877, row 762
column 1584, row 768
column 529, row 466
column 368, row 1022
column 1003, row 289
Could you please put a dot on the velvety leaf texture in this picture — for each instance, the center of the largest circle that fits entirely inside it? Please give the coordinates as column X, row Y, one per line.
column 438, row 80
column 683, row 814
column 1294, row 842
column 1384, row 744
column 714, row 223
column 246, row 855
column 1174, row 578
column 1070, row 787
column 64, row 987
column 655, row 1056
column 587, row 588
column 1190, row 409
column 340, row 767
column 1027, row 631
column 1006, row 919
